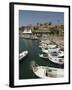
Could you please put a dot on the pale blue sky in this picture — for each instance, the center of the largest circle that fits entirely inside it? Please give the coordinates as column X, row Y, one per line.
column 32, row 17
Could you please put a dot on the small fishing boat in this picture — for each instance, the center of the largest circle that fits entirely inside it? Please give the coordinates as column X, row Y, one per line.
column 55, row 57
column 44, row 41
column 45, row 50
column 44, row 55
column 59, row 61
column 53, row 49
column 47, row 72
column 57, row 54
column 52, row 46
column 23, row 54
column 43, row 46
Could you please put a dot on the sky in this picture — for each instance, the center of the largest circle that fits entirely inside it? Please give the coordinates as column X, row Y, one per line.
column 32, row 17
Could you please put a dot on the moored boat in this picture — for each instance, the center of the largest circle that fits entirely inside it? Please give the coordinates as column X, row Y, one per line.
column 56, row 54
column 45, row 50
column 52, row 46
column 55, row 57
column 44, row 55
column 23, row 54
column 47, row 72
column 59, row 61
column 53, row 49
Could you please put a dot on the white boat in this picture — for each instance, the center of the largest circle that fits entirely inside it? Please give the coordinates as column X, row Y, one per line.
column 23, row 54
column 43, row 55
column 43, row 46
column 55, row 57
column 56, row 50
column 40, row 46
column 57, row 60
column 56, row 54
column 45, row 50
column 47, row 72
column 52, row 46
column 44, row 41
column 53, row 49
column 60, row 53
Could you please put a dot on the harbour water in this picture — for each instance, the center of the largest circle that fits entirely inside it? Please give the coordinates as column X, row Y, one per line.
column 25, row 71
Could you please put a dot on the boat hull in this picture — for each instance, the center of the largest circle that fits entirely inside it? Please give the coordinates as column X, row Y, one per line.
column 40, row 72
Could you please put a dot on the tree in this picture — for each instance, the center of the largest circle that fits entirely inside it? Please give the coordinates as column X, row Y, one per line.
column 45, row 24
column 35, row 28
column 41, row 24
column 21, row 28
column 50, row 23
column 54, row 30
column 62, row 27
